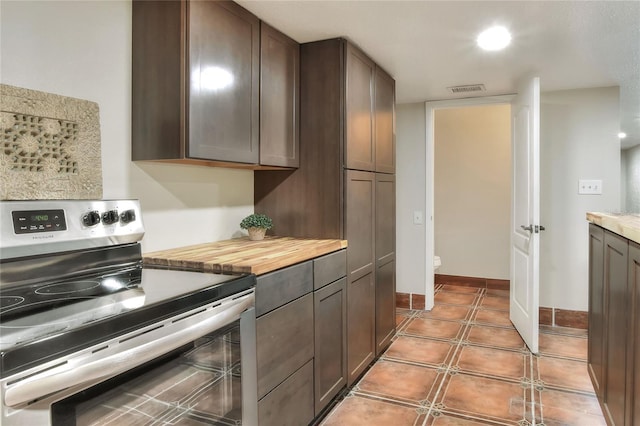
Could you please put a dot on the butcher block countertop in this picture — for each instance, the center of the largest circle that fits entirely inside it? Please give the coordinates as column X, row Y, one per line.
column 242, row 256
column 627, row 225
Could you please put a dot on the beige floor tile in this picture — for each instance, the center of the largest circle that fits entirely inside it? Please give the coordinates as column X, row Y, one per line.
column 455, row 298
column 493, row 362
column 357, row 411
column 565, row 346
column 484, row 397
column 426, row 351
column 495, row 337
column 564, row 373
column 495, row 302
column 401, row 381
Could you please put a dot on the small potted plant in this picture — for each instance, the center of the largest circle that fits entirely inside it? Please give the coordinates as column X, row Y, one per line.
column 257, row 224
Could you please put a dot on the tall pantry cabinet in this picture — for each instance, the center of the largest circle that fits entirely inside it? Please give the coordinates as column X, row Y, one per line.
column 345, row 186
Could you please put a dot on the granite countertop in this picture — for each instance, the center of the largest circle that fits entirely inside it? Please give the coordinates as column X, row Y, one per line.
column 627, row 225
column 242, row 256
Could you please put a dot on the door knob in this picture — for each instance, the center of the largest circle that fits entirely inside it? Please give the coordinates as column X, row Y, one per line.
column 527, row 228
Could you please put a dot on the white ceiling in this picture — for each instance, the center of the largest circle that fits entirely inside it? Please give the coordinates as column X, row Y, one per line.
column 428, row 46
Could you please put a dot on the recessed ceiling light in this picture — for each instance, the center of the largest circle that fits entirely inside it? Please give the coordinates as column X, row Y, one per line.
column 494, row 38
column 622, row 135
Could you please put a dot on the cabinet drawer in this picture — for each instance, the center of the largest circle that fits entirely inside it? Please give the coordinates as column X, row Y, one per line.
column 329, row 268
column 284, row 342
column 291, row 403
column 280, row 287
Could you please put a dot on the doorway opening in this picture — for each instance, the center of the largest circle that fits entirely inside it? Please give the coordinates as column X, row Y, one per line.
column 461, row 166
column 472, row 193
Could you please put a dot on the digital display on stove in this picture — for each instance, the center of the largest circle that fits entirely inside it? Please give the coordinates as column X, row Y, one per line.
column 30, row 221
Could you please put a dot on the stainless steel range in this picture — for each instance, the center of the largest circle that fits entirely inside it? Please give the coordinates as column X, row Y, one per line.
column 89, row 336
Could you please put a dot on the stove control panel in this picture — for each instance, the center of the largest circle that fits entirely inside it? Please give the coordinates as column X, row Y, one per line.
column 29, row 221
column 33, row 227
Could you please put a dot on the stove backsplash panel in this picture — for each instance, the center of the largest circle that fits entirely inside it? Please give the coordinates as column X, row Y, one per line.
column 50, row 146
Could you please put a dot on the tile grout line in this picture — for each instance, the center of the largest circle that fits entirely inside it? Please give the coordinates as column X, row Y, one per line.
column 468, row 324
column 533, row 391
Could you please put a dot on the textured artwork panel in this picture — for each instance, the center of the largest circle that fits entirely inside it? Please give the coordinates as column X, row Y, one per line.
column 50, row 146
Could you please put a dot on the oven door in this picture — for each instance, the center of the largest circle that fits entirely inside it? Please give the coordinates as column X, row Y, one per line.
column 184, row 370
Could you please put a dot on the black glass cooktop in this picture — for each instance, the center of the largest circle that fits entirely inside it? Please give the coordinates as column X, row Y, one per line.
column 41, row 321
column 38, row 299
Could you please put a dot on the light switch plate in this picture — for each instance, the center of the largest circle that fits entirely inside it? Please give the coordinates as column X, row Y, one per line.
column 417, row 217
column 590, row 186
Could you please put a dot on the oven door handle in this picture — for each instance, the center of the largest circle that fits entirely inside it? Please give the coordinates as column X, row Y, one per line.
column 82, row 373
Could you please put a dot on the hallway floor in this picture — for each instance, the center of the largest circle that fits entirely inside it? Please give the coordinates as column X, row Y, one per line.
column 463, row 363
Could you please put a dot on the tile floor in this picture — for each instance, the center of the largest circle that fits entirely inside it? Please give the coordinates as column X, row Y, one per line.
column 463, row 363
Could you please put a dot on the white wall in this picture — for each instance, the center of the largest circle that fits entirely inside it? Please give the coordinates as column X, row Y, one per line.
column 82, row 49
column 578, row 140
column 631, row 180
column 472, row 190
column 410, row 197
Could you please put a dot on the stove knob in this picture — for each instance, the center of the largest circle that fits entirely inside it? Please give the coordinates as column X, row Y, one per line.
column 110, row 217
column 128, row 216
column 91, row 218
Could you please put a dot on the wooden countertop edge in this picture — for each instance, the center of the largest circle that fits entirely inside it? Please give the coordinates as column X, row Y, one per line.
column 627, row 226
column 248, row 257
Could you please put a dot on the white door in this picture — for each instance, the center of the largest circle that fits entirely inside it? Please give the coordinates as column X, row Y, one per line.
column 525, row 211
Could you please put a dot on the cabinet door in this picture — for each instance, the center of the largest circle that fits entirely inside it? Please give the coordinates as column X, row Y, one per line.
column 279, row 98
column 360, row 150
column 596, row 308
column 291, row 402
column 223, row 81
column 634, row 355
column 385, row 129
column 359, row 231
column 284, row 342
column 157, row 80
column 330, row 313
column 385, row 260
column 615, row 281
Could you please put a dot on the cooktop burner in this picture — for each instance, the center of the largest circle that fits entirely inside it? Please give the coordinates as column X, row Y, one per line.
column 7, row 302
column 68, row 288
column 38, row 298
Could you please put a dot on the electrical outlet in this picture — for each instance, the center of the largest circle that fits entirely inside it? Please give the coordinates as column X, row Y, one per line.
column 590, row 186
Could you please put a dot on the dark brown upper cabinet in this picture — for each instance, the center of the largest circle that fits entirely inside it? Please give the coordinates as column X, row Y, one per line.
column 196, row 87
column 279, row 98
column 385, row 126
column 360, row 148
column 370, row 111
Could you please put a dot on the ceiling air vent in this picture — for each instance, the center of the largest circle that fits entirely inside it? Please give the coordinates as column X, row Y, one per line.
column 470, row 88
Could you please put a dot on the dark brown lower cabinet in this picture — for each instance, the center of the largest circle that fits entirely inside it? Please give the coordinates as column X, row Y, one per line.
column 284, row 342
column 596, row 308
column 300, row 341
column 361, row 291
column 616, row 249
column 634, row 355
column 385, row 260
column 614, row 325
column 330, row 311
column 284, row 347
column 291, row 402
